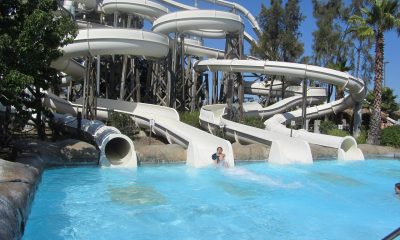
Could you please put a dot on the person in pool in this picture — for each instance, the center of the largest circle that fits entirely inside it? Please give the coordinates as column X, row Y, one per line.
column 397, row 188
column 219, row 157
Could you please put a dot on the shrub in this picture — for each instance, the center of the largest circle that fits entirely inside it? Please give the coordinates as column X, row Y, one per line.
column 337, row 132
column 325, row 126
column 253, row 122
column 124, row 124
column 390, row 136
column 191, row 118
column 362, row 139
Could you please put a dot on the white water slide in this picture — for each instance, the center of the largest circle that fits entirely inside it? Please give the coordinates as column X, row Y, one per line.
column 347, row 146
column 199, row 144
column 204, row 23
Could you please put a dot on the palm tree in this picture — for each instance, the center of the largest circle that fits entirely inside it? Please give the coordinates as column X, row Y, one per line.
column 381, row 16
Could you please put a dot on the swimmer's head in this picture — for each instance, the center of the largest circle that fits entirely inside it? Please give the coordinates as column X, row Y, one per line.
column 219, row 150
column 397, row 188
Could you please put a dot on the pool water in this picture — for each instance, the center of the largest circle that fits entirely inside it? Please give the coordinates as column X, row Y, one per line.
column 325, row 200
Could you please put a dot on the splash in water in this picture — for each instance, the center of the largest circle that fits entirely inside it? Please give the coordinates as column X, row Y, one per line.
column 242, row 173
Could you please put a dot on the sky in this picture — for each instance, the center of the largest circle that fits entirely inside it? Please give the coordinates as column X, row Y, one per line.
column 392, row 40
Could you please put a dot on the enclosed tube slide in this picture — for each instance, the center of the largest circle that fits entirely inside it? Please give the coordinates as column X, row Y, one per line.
column 116, row 149
column 347, row 146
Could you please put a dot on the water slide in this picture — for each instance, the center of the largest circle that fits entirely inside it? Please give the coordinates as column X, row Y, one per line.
column 109, row 41
column 347, row 146
column 231, row 5
column 116, row 149
column 209, row 24
column 199, row 144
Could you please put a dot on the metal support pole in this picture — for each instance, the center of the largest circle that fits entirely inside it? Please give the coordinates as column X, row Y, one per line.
column 193, row 91
column 215, row 87
column 85, row 86
column 239, row 80
column 183, row 79
column 172, row 74
column 137, row 83
column 123, row 78
column 98, row 75
column 304, row 105
column 116, row 14
column 69, row 93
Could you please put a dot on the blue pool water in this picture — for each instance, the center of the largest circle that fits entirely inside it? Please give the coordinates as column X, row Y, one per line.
column 326, row 200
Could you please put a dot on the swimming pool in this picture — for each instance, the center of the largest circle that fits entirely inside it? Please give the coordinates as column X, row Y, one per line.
column 325, row 200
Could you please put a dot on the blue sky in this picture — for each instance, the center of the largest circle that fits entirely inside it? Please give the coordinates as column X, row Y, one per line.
column 392, row 41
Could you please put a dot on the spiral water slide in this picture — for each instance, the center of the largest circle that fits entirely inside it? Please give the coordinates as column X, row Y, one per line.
column 347, row 146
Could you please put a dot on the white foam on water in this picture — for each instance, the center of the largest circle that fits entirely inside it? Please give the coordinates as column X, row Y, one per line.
column 242, row 173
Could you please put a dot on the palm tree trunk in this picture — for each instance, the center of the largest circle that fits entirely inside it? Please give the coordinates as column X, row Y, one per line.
column 375, row 126
column 357, row 117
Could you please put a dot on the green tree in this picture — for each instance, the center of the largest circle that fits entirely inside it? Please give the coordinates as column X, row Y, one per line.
column 31, row 33
column 389, row 104
column 270, row 20
column 292, row 47
column 379, row 17
column 331, row 44
column 280, row 39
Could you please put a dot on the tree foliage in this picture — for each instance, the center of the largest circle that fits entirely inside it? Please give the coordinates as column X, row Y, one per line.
column 331, row 45
column 328, row 45
column 362, row 58
column 389, row 104
column 31, row 33
column 280, row 37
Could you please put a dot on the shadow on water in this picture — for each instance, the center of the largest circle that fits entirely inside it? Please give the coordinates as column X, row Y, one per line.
column 336, row 178
column 391, row 173
column 235, row 190
column 136, row 195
